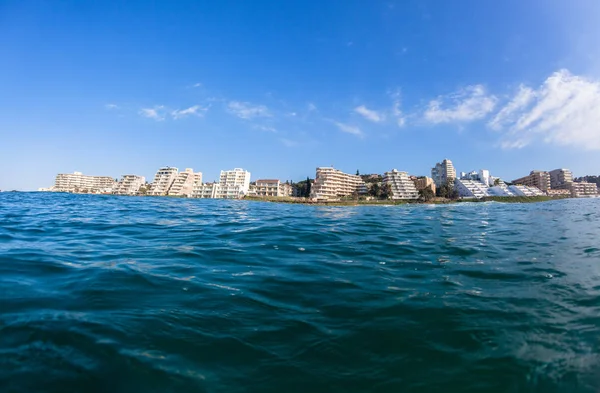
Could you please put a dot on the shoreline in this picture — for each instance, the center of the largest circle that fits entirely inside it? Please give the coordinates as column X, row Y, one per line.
column 436, row 201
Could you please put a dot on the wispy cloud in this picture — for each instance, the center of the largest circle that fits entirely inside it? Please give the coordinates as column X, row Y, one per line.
column 265, row 128
column 312, row 107
column 111, row 106
column 396, row 111
column 288, row 142
column 564, row 111
column 369, row 114
column 195, row 110
column 197, row 84
column 156, row 113
column 245, row 110
column 347, row 128
column 469, row 104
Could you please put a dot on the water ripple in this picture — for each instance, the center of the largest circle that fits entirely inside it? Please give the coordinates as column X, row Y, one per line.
column 120, row 294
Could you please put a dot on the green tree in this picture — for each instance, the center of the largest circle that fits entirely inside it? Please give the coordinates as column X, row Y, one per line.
column 308, row 188
column 385, row 191
column 426, row 194
column 357, row 173
column 374, row 190
column 497, row 182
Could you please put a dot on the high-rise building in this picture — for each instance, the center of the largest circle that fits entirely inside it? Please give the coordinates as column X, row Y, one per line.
column 560, row 178
column 402, row 186
column 332, row 184
column 183, row 185
column 80, row 183
column 443, row 173
column 537, row 179
column 233, row 184
column 129, row 185
column 163, row 180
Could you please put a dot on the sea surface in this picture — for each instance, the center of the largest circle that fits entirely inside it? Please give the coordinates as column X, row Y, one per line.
column 128, row 294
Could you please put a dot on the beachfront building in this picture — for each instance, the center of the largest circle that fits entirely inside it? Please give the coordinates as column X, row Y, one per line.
column 560, row 179
column 233, row 184
column 129, row 185
column 528, row 191
column 401, row 185
column 424, row 182
column 471, row 188
column 183, row 185
column 163, row 180
column 272, row 188
column 207, row 190
column 582, row 189
column 443, row 172
column 333, row 184
column 537, row 179
column 77, row 182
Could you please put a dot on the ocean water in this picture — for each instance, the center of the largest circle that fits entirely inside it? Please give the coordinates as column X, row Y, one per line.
column 127, row 294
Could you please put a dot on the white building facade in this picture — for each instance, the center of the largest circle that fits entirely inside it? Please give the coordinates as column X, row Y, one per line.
column 163, row 180
column 183, row 185
column 78, row 182
column 129, row 185
column 233, row 184
column 333, row 184
column 443, row 172
column 401, row 184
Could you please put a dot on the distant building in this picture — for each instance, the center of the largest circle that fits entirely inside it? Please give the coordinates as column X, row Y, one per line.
column 528, row 191
column 424, row 182
column 79, row 183
column 560, row 179
column 163, row 180
column 537, row 179
column 233, row 184
column 129, row 185
column 483, row 176
column 273, row 188
column 443, row 172
column 333, row 184
column 183, row 185
column 402, row 186
column 582, row 189
column 206, row 190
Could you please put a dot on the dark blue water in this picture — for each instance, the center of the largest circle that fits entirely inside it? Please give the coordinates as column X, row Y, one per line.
column 125, row 294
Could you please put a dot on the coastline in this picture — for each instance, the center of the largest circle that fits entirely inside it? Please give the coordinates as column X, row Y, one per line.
column 390, row 202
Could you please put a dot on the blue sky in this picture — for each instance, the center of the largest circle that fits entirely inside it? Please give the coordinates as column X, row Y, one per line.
column 281, row 87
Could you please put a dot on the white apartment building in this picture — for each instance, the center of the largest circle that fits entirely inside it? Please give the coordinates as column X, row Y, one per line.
column 183, row 185
column 78, row 182
column 402, row 186
column 560, row 178
column 443, row 172
column 332, row 184
column 163, row 180
column 583, row 189
column 471, row 188
column 520, row 190
column 233, row 184
column 129, row 185
column 272, row 187
column 208, row 190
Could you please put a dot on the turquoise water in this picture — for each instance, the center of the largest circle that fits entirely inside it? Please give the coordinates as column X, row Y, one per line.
column 125, row 294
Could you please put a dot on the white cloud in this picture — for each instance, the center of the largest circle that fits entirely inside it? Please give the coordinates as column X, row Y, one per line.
column 312, row 107
column 564, row 111
column 111, row 106
column 245, row 110
column 468, row 104
column 265, row 128
column 369, row 114
column 396, row 111
column 288, row 142
column 195, row 110
column 156, row 113
column 197, row 84
column 349, row 129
